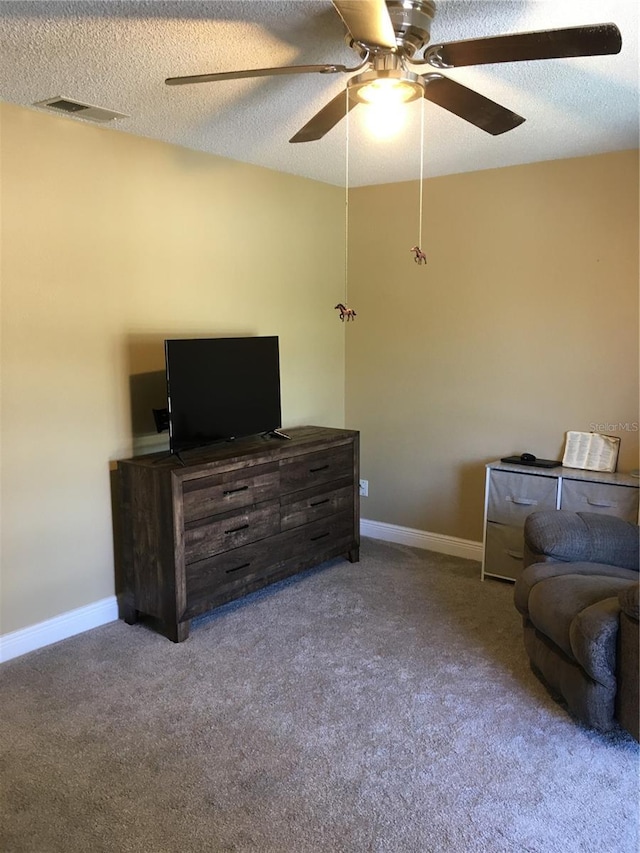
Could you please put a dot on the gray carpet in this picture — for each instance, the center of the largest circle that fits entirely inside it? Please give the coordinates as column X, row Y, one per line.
column 383, row 706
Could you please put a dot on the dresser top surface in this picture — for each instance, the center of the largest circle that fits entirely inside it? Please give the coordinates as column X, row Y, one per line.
column 302, row 439
column 568, row 474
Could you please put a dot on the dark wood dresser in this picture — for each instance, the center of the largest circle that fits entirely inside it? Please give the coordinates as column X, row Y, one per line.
column 233, row 518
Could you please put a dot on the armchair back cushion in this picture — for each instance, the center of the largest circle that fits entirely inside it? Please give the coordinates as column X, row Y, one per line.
column 564, row 536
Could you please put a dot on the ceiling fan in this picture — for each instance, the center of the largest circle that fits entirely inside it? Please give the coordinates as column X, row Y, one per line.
column 388, row 36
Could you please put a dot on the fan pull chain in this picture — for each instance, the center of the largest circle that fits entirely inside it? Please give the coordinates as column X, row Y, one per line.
column 419, row 255
column 346, row 202
column 421, row 167
column 346, row 313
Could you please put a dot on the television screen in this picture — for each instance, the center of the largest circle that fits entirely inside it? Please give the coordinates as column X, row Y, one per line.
column 221, row 388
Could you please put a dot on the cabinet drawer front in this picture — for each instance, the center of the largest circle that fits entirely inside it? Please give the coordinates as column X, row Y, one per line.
column 231, row 574
column 205, row 537
column 513, row 496
column 305, row 471
column 221, row 492
column 504, row 549
column 582, row 496
column 220, row 575
column 303, row 507
column 320, row 538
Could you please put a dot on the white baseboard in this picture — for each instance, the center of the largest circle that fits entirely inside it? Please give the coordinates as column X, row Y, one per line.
column 451, row 545
column 74, row 622
column 59, row 628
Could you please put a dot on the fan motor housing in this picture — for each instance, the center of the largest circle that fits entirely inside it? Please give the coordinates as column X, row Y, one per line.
column 411, row 21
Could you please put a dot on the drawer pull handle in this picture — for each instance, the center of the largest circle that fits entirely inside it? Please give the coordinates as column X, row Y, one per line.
column 523, row 501
column 515, row 554
column 602, row 503
column 321, row 536
column 319, row 503
column 237, row 568
column 234, row 491
column 315, row 470
column 237, row 529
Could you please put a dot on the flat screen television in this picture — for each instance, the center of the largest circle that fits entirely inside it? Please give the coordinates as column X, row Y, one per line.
column 221, row 388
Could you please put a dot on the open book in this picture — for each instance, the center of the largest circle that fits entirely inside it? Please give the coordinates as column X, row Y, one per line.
column 591, row 451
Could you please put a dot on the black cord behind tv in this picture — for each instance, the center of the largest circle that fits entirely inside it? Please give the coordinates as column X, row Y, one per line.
column 219, row 389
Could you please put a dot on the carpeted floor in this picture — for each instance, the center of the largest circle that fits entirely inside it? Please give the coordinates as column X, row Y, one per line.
column 382, row 706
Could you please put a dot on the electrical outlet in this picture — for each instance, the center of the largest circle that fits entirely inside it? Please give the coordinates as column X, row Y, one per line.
column 364, row 488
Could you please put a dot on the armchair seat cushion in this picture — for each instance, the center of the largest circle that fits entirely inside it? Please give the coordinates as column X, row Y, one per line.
column 538, row 572
column 556, row 607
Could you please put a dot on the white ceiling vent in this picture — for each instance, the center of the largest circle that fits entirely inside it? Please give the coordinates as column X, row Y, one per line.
column 79, row 110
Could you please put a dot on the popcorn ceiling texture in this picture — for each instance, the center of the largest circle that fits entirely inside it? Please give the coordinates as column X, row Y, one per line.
column 116, row 55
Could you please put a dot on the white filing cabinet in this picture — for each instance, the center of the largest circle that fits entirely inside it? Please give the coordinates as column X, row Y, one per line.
column 513, row 491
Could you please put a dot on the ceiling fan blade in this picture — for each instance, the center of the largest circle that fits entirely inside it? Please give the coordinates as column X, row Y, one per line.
column 326, row 119
column 592, row 40
column 256, row 72
column 368, row 21
column 470, row 105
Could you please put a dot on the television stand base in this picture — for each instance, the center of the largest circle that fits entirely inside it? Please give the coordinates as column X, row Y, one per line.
column 235, row 519
column 276, row 433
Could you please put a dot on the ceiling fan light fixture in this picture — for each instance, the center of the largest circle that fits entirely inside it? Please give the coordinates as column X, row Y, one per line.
column 384, row 86
column 388, row 36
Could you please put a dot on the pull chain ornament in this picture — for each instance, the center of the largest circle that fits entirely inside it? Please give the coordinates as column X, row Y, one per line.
column 345, row 313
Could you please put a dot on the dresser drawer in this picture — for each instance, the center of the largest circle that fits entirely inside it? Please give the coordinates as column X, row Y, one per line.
column 218, row 578
column 504, row 551
column 605, row 498
column 309, row 505
column 302, row 472
column 208, row 536
column 513, row 496
column 221, row 492
column 320, row 539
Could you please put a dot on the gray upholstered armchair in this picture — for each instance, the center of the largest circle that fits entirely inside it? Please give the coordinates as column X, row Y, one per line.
column 578, row 596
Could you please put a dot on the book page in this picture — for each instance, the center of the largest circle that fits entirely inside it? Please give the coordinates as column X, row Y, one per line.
column 591, row 451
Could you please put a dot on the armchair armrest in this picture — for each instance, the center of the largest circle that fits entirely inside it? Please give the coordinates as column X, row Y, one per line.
column 629, row 600
column 628, row 669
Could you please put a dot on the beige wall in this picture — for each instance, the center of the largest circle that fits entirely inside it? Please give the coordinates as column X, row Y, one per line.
column 523, row 324
column 110, row 243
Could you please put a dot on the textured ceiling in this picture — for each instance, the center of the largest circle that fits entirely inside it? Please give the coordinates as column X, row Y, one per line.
column 117, row 54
